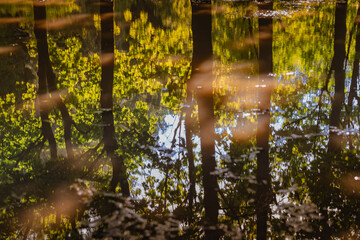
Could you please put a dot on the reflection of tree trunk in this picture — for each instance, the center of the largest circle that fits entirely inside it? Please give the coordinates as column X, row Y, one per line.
column 263, row 193
column 355, row 74
column 48, row 89
column 125, row 32
column 201, row 78
column 354, row 77
column 47, row 83
column 55, row 97
column 335, row 139
column 190, row 152
column 43, row 56
column 106, row 100
column 339, row 96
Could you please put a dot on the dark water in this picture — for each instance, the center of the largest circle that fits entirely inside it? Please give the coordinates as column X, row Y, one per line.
column 149, row 119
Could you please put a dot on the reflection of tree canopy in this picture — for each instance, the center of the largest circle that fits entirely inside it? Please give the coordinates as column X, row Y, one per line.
column 314, row 181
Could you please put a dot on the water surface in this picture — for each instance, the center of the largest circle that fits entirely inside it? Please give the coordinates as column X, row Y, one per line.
column 150, row 119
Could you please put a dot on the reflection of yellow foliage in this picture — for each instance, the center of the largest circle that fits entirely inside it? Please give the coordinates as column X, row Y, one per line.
column 116, row 30
column 55, row 8
column 303, row 42
column 236, row 41
column 97, row 22
column 158, row 58
column 127, row 15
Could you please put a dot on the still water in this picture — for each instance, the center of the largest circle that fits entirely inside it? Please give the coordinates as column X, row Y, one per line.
column 149, row 119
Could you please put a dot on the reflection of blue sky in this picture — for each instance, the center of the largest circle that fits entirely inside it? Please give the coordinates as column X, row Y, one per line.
column 166, row 135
